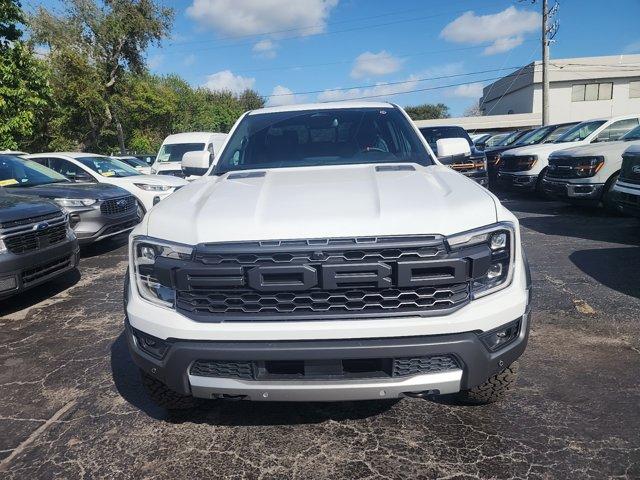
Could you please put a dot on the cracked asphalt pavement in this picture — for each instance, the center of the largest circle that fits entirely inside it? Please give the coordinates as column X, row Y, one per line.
column 71, row 405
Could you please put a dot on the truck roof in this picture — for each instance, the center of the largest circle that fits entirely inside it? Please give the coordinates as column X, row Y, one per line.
column 189, row 137
column 322, row 106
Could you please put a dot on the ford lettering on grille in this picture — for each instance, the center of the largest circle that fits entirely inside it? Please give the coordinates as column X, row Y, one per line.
column 293, row 280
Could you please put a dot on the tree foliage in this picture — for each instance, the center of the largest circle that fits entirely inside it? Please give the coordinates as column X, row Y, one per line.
column 24, row 92
column 428, row 111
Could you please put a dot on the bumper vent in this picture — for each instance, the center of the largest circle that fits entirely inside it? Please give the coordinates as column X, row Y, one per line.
column 404, row 367
column 221, row 368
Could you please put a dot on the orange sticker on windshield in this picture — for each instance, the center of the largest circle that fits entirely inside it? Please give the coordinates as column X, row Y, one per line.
column 8, row 181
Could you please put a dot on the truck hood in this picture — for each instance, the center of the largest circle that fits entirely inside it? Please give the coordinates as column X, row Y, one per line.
column 19, row 207
column 543, row 150
column 99, row 191
column 605, row 148
column 322, row 202
column 150, row 180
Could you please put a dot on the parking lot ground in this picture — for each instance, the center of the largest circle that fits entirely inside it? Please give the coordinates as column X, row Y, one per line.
column 71, row 405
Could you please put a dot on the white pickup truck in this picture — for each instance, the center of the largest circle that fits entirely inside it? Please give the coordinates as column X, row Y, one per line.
column 586, row 175
column 327, row 256
column 524, row 168
column 188, row 154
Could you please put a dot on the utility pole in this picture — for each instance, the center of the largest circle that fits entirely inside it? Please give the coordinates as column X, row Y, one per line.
column 549, row 31
column 545, row 64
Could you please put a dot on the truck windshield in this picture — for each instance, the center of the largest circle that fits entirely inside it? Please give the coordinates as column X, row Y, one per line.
column 580, row 131
column 534, row 136
column 632, row 135
column 15, row 172
column 108, row 167
column 433, row 134
column 339, row 136
column 173, row 152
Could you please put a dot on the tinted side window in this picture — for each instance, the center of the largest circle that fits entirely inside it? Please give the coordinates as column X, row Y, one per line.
column 617, row 130
column 67, row 168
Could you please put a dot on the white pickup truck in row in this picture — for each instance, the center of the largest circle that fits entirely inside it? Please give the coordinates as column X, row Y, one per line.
column 327, row 256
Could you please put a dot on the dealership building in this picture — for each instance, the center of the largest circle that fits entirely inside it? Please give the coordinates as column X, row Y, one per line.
column 579, row 89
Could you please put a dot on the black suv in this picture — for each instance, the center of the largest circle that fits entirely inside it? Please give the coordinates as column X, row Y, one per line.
column 473, row 166
column 36, row 243
column 96, row 211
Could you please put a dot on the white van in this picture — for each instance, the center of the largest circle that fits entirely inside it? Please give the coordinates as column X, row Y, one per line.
column 169, row 158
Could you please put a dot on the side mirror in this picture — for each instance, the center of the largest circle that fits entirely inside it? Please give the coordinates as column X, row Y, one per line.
column 196, row 163
column 452, row 147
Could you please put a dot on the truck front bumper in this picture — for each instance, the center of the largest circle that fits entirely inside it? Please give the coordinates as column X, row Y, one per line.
column 580, row 192
column 474, row 363
column 19, row 272
column 91, row 225
column 517, row 182
column 627, row 198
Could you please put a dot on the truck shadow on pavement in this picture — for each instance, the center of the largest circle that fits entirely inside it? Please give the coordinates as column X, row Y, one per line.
column 104, row 246
column 616, row 268
column 231, row 413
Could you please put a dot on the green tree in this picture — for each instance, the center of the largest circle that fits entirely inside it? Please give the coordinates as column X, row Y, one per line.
column 428, row 111
column 100, row 41
column 24, row 92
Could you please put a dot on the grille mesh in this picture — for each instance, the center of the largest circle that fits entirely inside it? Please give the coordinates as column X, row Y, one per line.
column 33, row 240
column 222, row 368
column 403, row 367
column 626, row 173
column 117, row 206
column 36, row 273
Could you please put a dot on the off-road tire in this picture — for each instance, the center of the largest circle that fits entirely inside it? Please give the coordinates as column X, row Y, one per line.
column 164, row 397
column 493, row 390
column 539, row 188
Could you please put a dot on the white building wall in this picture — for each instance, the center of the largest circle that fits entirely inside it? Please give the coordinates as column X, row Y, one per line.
column 562, row 109
column 518, row 101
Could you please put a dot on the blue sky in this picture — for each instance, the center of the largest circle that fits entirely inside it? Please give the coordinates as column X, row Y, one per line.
column 318, row 45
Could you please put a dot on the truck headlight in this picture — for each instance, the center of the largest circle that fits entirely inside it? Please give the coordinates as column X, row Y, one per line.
column 525, row 162
column 588, row 166
column 75, row 202
column 500, row 239
column 145, row 251
column 153, row 188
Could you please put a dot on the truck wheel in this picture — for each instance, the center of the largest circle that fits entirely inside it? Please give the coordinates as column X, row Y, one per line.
column 140, row 211
column 539, row 187
column 607, row 195
column 494, row 389
column 164, row 397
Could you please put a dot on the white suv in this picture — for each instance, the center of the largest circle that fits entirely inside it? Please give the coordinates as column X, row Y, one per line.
column 587, row 174
column 327, row 256
column 524, row 168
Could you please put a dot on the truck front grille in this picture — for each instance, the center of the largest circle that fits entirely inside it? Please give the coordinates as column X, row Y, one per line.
column 630, row 171
column 328, row 279
column 36, row 239
column 39, row 272
column 118, row 206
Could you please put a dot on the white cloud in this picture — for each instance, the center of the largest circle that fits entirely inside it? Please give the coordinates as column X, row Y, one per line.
column 226, row 80
column 284, row 96
column 251, row 17
column 505, row 29
column 384, row 90
column 471, row 90
column 265, row 48
column 369, row 64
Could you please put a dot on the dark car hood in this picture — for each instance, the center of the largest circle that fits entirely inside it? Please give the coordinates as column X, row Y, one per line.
column 98, row 191
column 19, row 207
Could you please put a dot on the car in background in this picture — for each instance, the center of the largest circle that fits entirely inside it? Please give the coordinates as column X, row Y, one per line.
column 170, row 156
column 627, row 188
column 472, row 165
column 523, row 168
column 96, row 211
column 147, row 158
column 92, row 168
column 36, row 243
column 586, row 175
column 480, row 138
column 546, row 134
column 492, row 140
column 136, row 163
